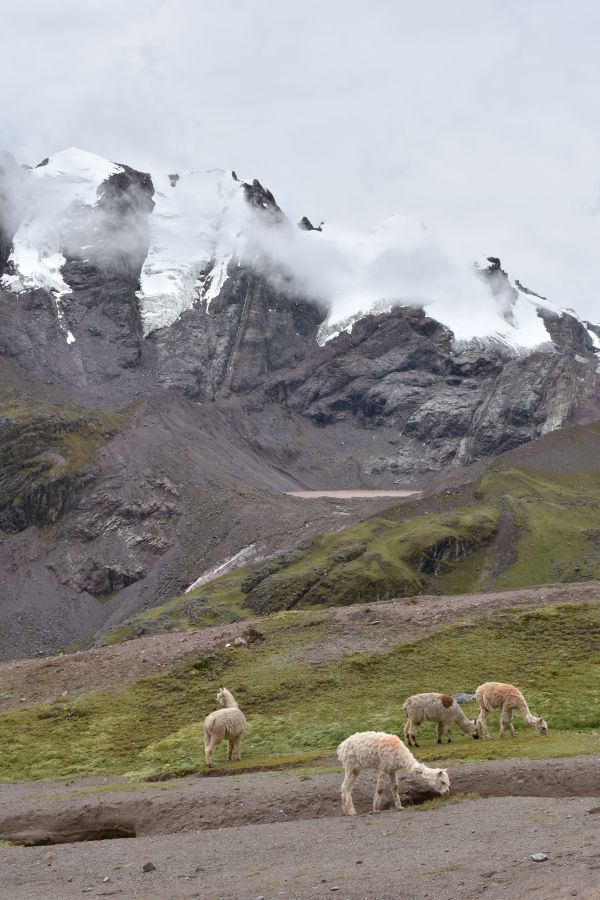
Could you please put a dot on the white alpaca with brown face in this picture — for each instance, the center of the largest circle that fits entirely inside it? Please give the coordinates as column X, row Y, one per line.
column 440, row 708
column 224, row 724
column 507, row 698
column 387, row 754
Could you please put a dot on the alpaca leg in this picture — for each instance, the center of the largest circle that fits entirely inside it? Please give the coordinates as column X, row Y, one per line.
column 412, row 733
column 378, row 792
column 230, row 744
column 209, row 749
column 237, row 747
column 482, row 723
column 440, row 732
column 510, row 722
column 505, row 716
column 347, row 784
column 449, row 733
column 409, row 733
column 395, row 792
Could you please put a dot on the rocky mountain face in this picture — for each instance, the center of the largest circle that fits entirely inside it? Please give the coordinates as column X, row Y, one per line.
column 442, row 406
column 135, row 454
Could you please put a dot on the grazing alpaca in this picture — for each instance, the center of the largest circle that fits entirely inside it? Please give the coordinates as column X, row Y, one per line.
column 440, row 708
column 387, row 754
column 507, row 698
column 227, row 723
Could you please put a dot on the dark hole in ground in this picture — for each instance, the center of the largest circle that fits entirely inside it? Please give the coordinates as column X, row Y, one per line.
column 43, row 838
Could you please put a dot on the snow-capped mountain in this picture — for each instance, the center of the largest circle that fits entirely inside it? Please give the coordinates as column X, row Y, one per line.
column 241, row 354
column 199, row 282
column 202, row 224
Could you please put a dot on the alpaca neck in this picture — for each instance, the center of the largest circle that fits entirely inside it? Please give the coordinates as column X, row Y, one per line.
column 228, row 700
column 408, row 761
column 465, row 725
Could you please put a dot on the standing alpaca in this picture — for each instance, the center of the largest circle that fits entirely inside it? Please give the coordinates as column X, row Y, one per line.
column 440, row 708
column 507, row 698
column 387, row 754
column 227, row 723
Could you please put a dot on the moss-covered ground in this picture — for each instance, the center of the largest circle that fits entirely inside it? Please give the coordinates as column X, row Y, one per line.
column 550, row 533
column 43, row 449
column 558, row 519
column 376, row 559
column 300, row 710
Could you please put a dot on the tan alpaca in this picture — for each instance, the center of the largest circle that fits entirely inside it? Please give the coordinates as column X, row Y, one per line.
column 440, row 708
column 228, row 723
column 387, row 754
column 507, row 698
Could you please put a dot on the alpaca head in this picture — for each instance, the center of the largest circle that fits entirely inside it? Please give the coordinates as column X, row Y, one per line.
column 437, row 779
column 540, row 725
column 474, row 729
column 220, row 698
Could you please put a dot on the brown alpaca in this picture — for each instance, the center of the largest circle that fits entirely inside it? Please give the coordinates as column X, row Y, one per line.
column 507, row 698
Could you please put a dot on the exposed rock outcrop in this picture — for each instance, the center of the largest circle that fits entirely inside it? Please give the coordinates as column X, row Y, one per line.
column 391, row 398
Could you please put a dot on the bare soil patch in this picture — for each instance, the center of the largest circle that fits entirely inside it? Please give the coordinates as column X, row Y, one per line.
column 283, row 835
column 55, row 812
column 351, row 494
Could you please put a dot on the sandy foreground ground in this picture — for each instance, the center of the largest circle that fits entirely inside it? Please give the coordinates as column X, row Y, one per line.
column 282, row 834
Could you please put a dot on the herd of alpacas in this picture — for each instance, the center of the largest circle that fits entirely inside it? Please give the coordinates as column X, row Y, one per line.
column 386, row 753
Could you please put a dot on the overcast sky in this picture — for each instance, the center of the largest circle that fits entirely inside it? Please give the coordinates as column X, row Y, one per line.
column 480, row 118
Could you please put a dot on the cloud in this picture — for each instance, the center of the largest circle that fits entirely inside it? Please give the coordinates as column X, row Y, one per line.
column 477, row 119
column 400, row 262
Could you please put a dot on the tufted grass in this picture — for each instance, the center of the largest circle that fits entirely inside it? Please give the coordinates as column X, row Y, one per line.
column 299, row 711
column 322, row 575
column 548, row 492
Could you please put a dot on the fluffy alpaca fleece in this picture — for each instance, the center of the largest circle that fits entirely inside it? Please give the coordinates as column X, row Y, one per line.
column 440, row 708
column 228, row 723
column 507, row 698
column 387, row 754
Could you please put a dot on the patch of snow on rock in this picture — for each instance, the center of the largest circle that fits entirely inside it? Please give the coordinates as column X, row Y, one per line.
column 56, row 191
column 195, row 231
column 401, row 263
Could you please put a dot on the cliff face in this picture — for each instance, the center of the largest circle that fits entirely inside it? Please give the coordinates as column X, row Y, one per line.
column 88, row 318
column 226, row 398
column 83, row 318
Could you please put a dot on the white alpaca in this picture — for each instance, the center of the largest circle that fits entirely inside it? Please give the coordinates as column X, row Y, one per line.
column 387, row 754
column 507, row 698
column 227, row 723
column 440, row 708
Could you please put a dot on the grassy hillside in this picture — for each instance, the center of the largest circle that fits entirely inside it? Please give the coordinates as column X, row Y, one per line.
column 298, row 708
column 532, row 519
column 376, row 559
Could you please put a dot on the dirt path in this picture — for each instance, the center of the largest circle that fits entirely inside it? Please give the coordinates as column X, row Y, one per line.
column 283, row 835
column 374, row 626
